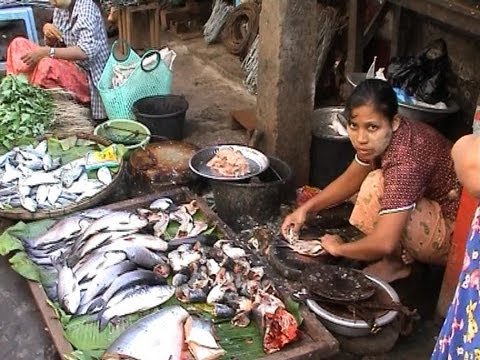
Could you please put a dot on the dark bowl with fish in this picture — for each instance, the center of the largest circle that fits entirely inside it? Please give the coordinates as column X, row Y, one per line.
column 74, row 203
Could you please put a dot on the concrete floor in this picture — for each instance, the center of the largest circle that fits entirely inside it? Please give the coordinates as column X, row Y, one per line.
column 211, row 81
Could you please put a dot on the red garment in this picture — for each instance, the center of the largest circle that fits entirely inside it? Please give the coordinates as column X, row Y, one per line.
column 49, row 73
column 418, row 164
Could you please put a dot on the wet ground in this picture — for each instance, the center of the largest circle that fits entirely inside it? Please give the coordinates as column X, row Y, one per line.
column 211, row 81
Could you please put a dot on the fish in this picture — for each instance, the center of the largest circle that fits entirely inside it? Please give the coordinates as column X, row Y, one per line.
column 54, row 193
column 213, row 267
column 216, row 294
column 140, row 299
column 199, row 335
column 7, row 157
column 179, row 279
column 39, row 178
column 104, row 279
column 148, row 241
column 222, row 311
column 96, row 262
column 41, row 148
column 179, row 260
column 241, row 319
column 115, row 221
column 104, row 175
column 68, row 176
column 10, row 174
column 307, row 247
column 188, row 295
column 67, row 289
column 64, row 229
column 25, row 190
column 161, row 225
column 233, row 252
column 47, row 162
column 28, row 204
column 124, row 281
column 42, row 194
column 97, row 240
column 33, row 163
column 144, row 258
column 142, row 340
column 8, row 191
column 161, row 204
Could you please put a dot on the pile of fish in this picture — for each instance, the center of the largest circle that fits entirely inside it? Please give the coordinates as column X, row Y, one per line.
column 32, row 179
column 117, row 263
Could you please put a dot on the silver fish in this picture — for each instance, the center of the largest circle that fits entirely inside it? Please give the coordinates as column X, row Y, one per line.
column 34, row 164
column 69, row 176
column 28, row 203
column 104, row 175
column 10, row 174
column 143, row 341
column 125, row 281
column 148, row 241
column 141, row 299
column 199, row 336
column 67, row 289
column 41, row 148
column 62, row 230
column 96, row 262
column 47, row 162
column 8, row 191
column 116, row 221
column 179, row 279
column 39, row 178
column 161, row 204
column 216, row 294
column 54, row 193
column 42, row 194
column 138, row 254
column 104, row 279
column 97, row 240
column 7, row 157
column 24, row 190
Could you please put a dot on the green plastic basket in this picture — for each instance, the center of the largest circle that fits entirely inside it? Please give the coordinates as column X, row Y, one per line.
column 142, row 83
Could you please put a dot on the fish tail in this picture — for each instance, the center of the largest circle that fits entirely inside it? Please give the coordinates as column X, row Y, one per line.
column 97, row 305
column 103, row 320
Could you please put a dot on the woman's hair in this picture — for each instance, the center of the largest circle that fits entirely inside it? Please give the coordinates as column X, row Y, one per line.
column 374, row 92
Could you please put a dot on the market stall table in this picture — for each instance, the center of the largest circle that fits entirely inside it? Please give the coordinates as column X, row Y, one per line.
column 316, row 342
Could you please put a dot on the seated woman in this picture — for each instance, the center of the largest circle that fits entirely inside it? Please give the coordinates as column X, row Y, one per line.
column 406, row 184
column 74, row 57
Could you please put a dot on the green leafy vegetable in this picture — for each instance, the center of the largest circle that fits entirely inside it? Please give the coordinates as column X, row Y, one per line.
column 26, row 111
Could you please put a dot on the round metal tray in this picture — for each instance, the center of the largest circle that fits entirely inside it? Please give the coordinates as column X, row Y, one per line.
column 354, row 328
column 257, row 161
column 356, row 78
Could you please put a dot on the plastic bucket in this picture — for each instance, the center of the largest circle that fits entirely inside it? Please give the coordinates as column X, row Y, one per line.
column 239, row 202
column 164, row 115
column 130, row 133
column 330, row 153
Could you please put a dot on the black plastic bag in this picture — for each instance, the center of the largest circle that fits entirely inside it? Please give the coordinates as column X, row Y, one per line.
column 423, row 76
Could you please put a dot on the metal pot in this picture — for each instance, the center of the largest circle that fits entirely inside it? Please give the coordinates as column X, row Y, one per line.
column 354, row 328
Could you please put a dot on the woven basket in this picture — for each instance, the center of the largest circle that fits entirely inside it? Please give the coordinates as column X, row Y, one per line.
column 22, row 214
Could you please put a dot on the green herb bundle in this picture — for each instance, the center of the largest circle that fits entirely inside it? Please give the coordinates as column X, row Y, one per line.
column 26, row 111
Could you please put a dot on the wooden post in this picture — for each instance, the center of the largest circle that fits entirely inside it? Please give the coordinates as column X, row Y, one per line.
column 355, row 37
column 286, row 86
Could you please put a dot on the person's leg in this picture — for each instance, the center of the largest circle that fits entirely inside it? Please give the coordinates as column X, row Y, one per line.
column 16, row 50
column 55, row 73
column 365, row 216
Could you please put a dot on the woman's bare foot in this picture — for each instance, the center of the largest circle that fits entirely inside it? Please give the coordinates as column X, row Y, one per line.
column 388, row 269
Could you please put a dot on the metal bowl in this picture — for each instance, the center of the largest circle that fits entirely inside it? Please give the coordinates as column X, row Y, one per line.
column 257, row 161
column 354, row 328
column 415, row 112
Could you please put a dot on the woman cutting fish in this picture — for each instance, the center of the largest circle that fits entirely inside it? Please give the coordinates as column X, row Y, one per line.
column 74, row 57
column 406, row 184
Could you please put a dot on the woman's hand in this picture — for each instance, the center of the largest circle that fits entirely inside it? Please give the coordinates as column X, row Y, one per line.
column 32, row 58
column 332, row 244
column 51, row 32
column 294, row 222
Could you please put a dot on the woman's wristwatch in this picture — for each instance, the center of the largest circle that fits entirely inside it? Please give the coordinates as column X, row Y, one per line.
column 51, row 53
